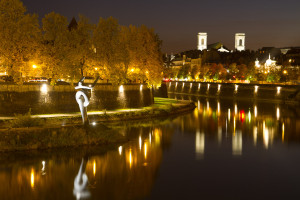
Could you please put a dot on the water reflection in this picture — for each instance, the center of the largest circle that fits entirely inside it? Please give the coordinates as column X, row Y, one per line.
column 221, row 138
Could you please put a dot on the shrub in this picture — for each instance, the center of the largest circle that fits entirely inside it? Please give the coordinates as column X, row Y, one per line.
column 25, row 120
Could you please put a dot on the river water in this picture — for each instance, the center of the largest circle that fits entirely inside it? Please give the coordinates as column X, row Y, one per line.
column 224, row 149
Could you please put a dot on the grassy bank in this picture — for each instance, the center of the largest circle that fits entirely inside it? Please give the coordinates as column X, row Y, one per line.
column 26, row 132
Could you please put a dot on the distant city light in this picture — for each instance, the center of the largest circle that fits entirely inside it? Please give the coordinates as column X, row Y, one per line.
column 34, row 66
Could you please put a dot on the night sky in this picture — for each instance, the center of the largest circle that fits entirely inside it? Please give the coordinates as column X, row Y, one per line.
column 177, row 22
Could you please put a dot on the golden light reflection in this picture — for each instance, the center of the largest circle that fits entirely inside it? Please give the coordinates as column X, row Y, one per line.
column 191, row 84
column 236, row 88
column 157, row 135
column 199, row 86
column 282, row 136
column 176, row 85
column 208, row 86
column 199, row 144
column 249, row 116
column 145, row 150
column 32, row 178
column 265, row 135
column 120, row 150
column 256, row 89
column 219, row 87
column 229, row 114
column 255, row 111
column 237, row 144
column 130, row 158
column 278, row 113
column 235, row 109
column 140, row 142
column 234, row 126
column 278, row 90
column 94, row 167
column 255, row 135
column 219, row 109
column 182, row 86
column 207, row 105
column 198, row 105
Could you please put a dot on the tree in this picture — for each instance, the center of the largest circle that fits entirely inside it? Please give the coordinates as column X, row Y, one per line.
column 81, row 52
column 55, row 46
column 19, row 35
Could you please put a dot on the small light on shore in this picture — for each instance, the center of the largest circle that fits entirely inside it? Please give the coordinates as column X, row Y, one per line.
column 94, row 123
column 121, row 88
column 44, row 88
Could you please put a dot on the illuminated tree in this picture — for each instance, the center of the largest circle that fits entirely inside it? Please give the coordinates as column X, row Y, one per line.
column 54, row 46
column 19, row 38
column 81, row 50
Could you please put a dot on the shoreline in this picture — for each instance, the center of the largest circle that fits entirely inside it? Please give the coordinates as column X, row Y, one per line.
column 61, row 131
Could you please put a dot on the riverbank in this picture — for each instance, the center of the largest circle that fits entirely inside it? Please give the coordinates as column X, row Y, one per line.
column 66, row 130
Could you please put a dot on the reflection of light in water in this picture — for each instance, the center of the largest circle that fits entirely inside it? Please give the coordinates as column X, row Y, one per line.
column 282, row 132
column 219, row 110
column 278, row 90
column 265, row 135
column 277, row 113
column 219, row 134
column 94, row 167
column 249, row 116
column 255, row 135
column 43, row 167
column 219, row 87
column 191, row 84
column 140, row 142
column 208, row 86
column 200, row 144
column 228, row 114
column 44, row 89
column 255, row 111
column 236, row 88
column 32, row 178
column 198, row 105
column 235, row 109
column 120, row 150
column 130, row 158
column 176, row 85
column 199, row 86
column 207, row 104
column 237, row 143
column 170, row 84
column 234, row 125
column 145, row 150
column 183, row 85
column 196, row 114
column 150, row 138
column 157, row 134
column 141, row 87
column 256, row 88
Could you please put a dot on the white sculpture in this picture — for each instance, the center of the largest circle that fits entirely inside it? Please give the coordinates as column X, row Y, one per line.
column 80, row 183
column 83, row 99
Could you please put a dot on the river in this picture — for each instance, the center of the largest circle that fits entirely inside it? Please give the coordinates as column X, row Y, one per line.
column 223, row 149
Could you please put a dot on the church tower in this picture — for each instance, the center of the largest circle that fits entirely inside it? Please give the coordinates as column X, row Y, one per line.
column 240, row 42
column 202, row 41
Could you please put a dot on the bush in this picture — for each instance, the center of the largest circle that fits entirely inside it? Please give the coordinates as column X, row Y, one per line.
column 25, row 120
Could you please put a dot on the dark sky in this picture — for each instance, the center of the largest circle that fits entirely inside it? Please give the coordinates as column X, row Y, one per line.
column 177, row 22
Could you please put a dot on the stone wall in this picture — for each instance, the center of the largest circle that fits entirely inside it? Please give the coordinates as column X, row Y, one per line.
column 44, row 99
column 231, row 90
